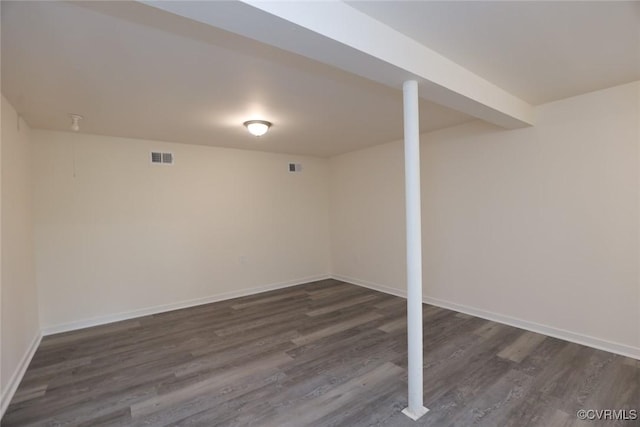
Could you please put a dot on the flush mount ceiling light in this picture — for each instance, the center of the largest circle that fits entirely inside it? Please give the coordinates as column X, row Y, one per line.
column 75, row 122
column 257, row 127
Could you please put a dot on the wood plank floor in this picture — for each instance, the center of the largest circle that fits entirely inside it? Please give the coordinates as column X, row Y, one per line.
column 320, row 354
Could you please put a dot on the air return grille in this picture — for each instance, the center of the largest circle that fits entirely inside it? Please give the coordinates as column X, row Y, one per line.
column 161, row 158
column 295, row 167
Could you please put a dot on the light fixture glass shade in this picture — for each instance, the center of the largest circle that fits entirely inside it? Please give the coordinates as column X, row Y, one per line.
column 75, row 122
column 257, row 127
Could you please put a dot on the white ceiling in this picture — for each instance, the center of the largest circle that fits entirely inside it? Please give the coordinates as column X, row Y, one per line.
column 540, row 51
column 135, row 71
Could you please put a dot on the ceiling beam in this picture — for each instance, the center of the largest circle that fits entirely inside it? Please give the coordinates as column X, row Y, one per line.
column 334, row 33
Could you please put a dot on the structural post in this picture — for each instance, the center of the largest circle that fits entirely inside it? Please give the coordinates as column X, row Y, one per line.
column 414, row 249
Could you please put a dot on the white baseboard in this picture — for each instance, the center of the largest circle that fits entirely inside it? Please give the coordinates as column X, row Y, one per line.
column 589, row 341
column 102, row 320
column 370, row 285
column 17, row 375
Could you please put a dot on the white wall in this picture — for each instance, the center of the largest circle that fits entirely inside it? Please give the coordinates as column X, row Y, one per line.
column 536, row 227
column 367, row 215
column 19, row 300
column 118, row 237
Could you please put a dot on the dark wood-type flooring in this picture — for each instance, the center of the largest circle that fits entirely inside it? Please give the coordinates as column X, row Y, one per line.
column 321, row 354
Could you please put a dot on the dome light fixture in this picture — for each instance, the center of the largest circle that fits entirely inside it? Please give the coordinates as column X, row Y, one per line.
column 257, row 127
column 75, row 122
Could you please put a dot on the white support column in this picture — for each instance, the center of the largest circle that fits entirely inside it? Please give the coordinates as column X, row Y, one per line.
column 414, row 249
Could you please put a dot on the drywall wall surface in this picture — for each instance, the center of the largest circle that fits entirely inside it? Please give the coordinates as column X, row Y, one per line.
column 118, row 236
column 537, row 227
column 20, row 324
column 367, row 215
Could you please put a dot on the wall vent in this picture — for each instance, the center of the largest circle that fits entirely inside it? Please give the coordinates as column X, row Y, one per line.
column 295, row 167
column 161, row 158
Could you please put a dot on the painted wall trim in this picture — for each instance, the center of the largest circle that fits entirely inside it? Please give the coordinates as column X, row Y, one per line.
column 18, row 374
column 589, row 341
column 102, row 320
column 371, row 285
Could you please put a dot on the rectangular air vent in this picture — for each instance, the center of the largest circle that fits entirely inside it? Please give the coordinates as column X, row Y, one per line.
column 295, row 167
column 161, row 158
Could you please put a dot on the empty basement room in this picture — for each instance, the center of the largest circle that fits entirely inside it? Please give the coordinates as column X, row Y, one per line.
column 331, row 213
